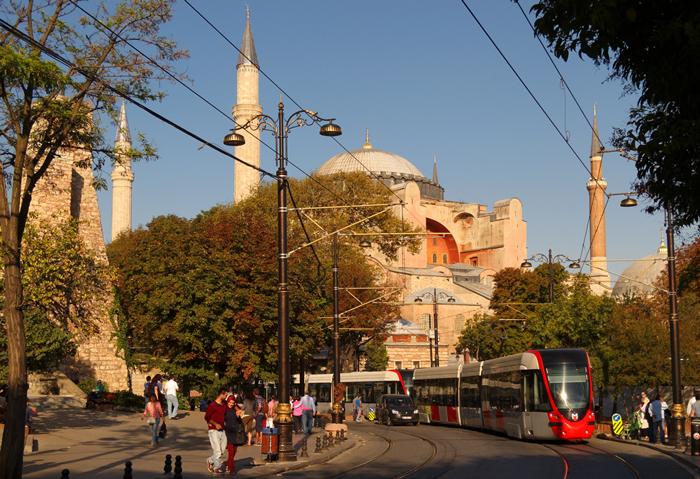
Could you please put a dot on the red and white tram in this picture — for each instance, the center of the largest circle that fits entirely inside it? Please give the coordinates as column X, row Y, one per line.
column 539, row 394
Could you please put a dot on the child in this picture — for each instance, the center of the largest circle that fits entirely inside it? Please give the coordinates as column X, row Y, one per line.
column 153, row 413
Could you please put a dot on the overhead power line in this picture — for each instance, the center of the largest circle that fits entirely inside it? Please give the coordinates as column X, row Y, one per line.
column 64, row 61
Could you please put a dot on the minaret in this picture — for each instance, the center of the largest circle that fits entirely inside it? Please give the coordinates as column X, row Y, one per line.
column 600, row 278
column 122, row 178
column 435, row 175
column 246, row 179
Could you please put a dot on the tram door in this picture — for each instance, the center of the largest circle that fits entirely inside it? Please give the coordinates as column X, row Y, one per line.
column 528, row 396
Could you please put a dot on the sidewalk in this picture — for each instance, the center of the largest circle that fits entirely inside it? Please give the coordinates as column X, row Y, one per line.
column 97, row 444
column 681, row 455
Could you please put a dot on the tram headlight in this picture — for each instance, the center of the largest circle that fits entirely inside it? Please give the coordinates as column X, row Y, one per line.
column 415, row 411
column 395, row 412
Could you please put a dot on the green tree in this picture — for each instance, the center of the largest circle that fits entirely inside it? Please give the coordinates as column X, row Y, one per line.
column 377, row 357
column 45, row 107
column 201, row 294
column 649, row 47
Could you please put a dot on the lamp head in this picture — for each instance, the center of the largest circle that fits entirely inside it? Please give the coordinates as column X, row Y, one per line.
column 330, row 129
column 526, row 264
column 628, row 202
column 575, row 265
column 418, row 300
column 365, row 244
column 234, row 139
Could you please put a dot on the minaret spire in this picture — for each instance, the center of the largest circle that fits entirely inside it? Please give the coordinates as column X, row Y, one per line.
column 435, row 175
column 367, row 145
column 122, row 177
column 247, row 107
column 600, row 278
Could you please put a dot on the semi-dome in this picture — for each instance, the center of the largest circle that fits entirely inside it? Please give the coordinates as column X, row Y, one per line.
column 639, row 277
column 377, row 161
column 390, row 168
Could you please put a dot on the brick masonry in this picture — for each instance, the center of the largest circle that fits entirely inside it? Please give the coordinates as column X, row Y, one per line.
column 68, row 190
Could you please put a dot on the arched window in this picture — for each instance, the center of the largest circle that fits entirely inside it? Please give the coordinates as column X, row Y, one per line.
column 434, row 258
column 444, row 258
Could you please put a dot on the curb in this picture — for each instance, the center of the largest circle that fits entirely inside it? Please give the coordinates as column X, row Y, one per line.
column 678, row 456
column 314, row 458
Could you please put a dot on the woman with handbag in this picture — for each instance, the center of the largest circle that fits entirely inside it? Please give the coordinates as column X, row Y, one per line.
column 235, row 431
column 153, row 413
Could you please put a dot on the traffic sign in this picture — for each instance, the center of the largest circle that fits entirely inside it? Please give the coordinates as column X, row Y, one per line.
column 617, row 424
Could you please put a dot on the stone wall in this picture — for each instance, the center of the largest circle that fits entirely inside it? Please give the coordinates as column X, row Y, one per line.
column 68, row 190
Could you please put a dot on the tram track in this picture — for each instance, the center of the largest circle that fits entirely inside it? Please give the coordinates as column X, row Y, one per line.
column 592, row 450
column 635, row 472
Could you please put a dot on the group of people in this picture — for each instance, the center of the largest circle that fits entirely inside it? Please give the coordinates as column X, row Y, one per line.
column 652, row 414
column 159, row 394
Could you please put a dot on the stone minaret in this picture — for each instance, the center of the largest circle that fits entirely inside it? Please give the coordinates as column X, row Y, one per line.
column 600, row 278
column 246, row 179
column 122, row 178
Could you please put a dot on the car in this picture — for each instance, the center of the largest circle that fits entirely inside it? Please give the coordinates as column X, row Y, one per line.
column 396, row 409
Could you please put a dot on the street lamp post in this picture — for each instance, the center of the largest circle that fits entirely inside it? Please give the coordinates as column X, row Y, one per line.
column 280, row 129
column 436, row 335
column 550, row 260
column 336, row 411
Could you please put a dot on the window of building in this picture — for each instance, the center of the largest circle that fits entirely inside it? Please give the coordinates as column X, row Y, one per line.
column 434, row 241
column 416, row 364
column 434, row 258
column 398, row 364
column 444, row 258
column 474, row 261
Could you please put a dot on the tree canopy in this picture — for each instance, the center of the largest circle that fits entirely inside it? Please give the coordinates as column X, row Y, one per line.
column 201, row 294
column 651, row 47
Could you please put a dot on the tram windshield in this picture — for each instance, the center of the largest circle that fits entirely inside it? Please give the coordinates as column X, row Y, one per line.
column 569, row 385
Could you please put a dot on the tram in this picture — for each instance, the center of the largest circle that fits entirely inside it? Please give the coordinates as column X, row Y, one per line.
column 369, row 384
column 540, row 394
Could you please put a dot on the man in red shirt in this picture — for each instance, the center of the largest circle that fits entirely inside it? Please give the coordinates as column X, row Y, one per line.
column 217, row 436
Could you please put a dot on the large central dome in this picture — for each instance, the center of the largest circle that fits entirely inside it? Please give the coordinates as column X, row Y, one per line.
column 374, row 160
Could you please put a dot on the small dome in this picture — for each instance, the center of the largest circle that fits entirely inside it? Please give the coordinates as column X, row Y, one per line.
column 377, row 161
column 639, row 277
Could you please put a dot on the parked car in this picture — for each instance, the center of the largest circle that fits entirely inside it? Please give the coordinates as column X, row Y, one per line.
column 396, row 409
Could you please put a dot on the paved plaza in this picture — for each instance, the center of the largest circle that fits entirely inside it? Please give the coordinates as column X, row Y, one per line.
column 96, row 444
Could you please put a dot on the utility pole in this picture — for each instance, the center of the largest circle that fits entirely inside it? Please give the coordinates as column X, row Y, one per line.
column 435, row 324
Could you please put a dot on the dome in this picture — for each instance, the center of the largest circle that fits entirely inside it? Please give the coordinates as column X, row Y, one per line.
column 377, row 161
column 641, row 274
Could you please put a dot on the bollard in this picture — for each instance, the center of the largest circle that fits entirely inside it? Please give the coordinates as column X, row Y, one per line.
column 330, row 439
column 318, row 445
column 178, row 467
column 304, row 448
column 695, row 436
column 168, row 467
column 127, row 470
column 342, row 435
column 337, row 437
column 65, row 474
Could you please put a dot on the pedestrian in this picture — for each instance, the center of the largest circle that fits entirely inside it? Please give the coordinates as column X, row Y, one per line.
column 153, row 414
column 260, row 406
column 147, row 390
column 644, row 415
column 171, row 389
column 235, row 431
column 691, row 401
column 656, row 414
column 308, row 411
column 695, row 409
column 271, row 413
column 296, row 414
column 215, row 418
column 249, row 417
column 357, row 407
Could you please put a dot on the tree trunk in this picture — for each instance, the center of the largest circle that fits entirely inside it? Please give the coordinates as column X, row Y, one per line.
column 12, row 452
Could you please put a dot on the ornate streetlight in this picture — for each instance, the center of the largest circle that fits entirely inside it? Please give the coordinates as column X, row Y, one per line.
column 549, row 259
column 436, row 297
column 280, row 128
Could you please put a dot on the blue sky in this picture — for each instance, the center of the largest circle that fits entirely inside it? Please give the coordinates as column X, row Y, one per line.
column 425, row 80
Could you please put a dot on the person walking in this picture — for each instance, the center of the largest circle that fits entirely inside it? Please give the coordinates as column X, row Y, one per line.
column 153, row 413
column 656, row 414
column 260, row 406
column 171, row 389
column 147, row 390
column 695, row 407
column 308, row 411
column 249, row 417
column 271, row 413
column 296, row 414
column 644, row 415
column 235, row 431
column 357, row 407
column 215, row 418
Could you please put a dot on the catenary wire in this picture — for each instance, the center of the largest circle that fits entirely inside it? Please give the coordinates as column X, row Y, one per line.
column 561, row 76
column 61, row 59
column 527, row 88
column 285, row 93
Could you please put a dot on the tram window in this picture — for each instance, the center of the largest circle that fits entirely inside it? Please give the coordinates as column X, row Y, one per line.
column 534, row 392
column 324, row 393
